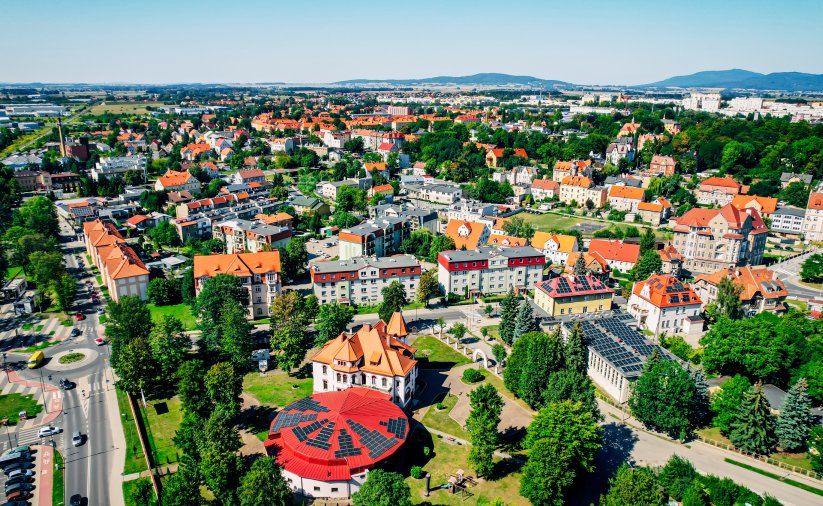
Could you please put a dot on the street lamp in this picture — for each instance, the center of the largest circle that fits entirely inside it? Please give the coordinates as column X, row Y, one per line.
column 43, row 391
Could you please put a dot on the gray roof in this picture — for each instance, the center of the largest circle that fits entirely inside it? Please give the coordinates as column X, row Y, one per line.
column 786, row 176
column 634, row 183
column 357, row 263
column 302, row 201
column 790, row 211
column 486, row 252
column 253, row 226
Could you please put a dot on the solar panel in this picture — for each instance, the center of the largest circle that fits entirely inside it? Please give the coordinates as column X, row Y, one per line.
column 397, row 426
column 321, row 440
column 307, row 404
column 291, row 419
column 302, row 433
column 377, row 443
column 346, row 444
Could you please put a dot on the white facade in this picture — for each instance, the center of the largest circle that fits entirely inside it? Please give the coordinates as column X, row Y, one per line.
column 361, row 280
column 330, row 489
column 118, row 165
column 400, row 388
column 788, row 220
column 490, row 271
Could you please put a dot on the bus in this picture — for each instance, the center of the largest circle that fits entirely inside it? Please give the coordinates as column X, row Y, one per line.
column 36, row 359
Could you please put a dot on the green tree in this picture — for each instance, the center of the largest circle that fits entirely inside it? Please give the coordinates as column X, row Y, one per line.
column 570, row 385
column 235, row 331
column 169, row 345
column 633, row 487
column 439, row 244
column 535, row 356
column 580, row 265
column 190, row 386
column 647, row 240
column 44, row 267
column 486, row 406
column 574, row 351
column 39, row 215
column 677, row 476
column 796, row 194
column 129, row 321
column 724, row 403
column 263, row 485
column 294, row 258
column 508, row 314
column 165, row 234
column 183, row 487
column 648, row 264
column 394, row 298
column 695, row 495
column 728, row 301
column 222, row 472
column 753, row 429
column 518, row 227
column 458, row 330
column 382, row 488
column 142, row 494
column 163, row 292
column 210, row 304
column 795, row 420
column 223, row 387
column 499, row 352
column 428, row 287
column 187, row 292
column 64, row 288
column 9, row 196
column 525, row 321
column 812, row 268
column 664, row 397
column 135, row 366
column 332, row 320
column 816, row 448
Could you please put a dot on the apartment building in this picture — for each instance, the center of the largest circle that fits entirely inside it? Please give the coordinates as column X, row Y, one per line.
column 813, row 221
column 625, row 198
column 517, row 176
column 718, row 191
column 438, row 193
column 544, row 189
column 663, row 304
column 468, row 234
column 571, row 168
column 568, row 294
column 117, row 166
column 556, row 247
column 259, row 274
column 177, row 181
column 579, row 190
column 764, row 205
column 788, row 220
column 619, row 255
column 762, row 290
column 489, row 270
column 379, row 237
column 361, row 280
column 714, row 239
column 662, row 165
column 244, row 236
column 122, row 272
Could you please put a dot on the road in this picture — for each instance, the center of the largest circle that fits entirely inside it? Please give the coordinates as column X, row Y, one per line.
column 789, row 272
column 93, row 469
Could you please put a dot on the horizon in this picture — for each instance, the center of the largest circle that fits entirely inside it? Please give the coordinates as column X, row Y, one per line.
column 261, row 42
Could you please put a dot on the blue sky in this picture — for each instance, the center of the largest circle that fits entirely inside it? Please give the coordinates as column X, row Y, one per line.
column 584, row 41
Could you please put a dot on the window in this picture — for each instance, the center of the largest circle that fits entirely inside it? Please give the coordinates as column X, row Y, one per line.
column 334, row 489
column 324, row 369
column 317, row 489
column 372, row 379
column 325, row 385
column 338, row 376
column 384, row 381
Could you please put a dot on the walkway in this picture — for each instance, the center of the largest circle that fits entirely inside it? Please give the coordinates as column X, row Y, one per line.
column 44, row 467
column 13, row 383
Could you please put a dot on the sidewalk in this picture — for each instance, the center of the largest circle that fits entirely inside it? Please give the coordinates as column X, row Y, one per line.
column 44, row 469
column 53, row 395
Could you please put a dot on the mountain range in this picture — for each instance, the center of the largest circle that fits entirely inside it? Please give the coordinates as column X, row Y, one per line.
column 725, row 79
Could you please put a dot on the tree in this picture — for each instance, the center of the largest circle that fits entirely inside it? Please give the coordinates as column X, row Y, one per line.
column 812, row 268
column 753, row 429
column 165, row 234
column 647, row 240
column 570, row 385
column 135, row 366
column 518, row 227
column 664, row 397
column 633, row 487
column 394, row 298
column 795, row 194
column 164, row 292
column 649, row 263
column 293, row 258
column 702, row 399
column 64, row 288
column 563, row 440
column 223, row 387
column 221, row 472
column 183, row 487
column 210, row 303
column 169, row 345
column 332, row 320
column 508, row 314
column 458, row 330
column 235, row 330
column 428, row 287
column 795, row 420
column 677, row 476
column 525, row 321
column 724, row 403
column 574, row 351
column 190, row 386
column 580, row 265
column 263, row 485
column 129, row 319
column 439, row 244
column 44, row 267
column 9, row 196
column 382, row 488
column 486, row 406
column 499, row 352
column 695, row 495
column 142, row 493
column 288, row 322
column 39, row 215
column 816, row 448
column 728, row 301
column 535, row 356
column 187, row 292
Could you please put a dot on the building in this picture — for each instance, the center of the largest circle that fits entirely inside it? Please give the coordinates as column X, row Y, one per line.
column 472, row 210
column 489, row 270
column 672, row 260
column 664, row 305
column 244, row 236
column 788, row 220
column 438, row 193
column 259, row 274
column 568, row 294
column 468, row 234
column 762, row 289
column 619, row 150
column 329, row 189
column 571, row 168
column 306, row 205
column 278, row 220
column 177, row 181
column 662, row 165
column 379, row 237
column 671, row 126
column 626, row 198
column 787, row 178
column 327, row 443
column 122, row 272
column 543, row 189
column 361, row 280
column 506, row 240
column 556, row 247
column 764, row 205
column 117, row 166
column 517, row 176
column 579, row 190
column 375, row 357
column 718, row 191
column 495, row 156
column 248, row 176
column 399, row 110
column 813, row 221
column 714, row 239
column 619, row 255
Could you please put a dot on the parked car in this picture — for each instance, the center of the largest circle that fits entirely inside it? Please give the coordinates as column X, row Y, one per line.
column 19, row 479
column 49, row 430
column 18, row 498
column 101, row 309
column 10, row 489
column 19, row 449
column 20, row 464
column 21, row 472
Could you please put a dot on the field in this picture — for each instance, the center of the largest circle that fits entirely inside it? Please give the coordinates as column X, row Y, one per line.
column 587, row 226
column 123, row 107
column 135, row 461
column 439, row 419
column 434, row 354
column 12, row 404
column 163, row 418
column 276, row 388
column 181, row 311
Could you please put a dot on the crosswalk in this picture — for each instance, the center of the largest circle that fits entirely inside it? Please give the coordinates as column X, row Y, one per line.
column 25, row 437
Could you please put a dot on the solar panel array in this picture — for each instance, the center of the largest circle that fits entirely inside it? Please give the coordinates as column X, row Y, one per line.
column 307, row 404
column 291, row 419
column 321, row 440
column 563, row 286
column 377, row 443
column 302, row 433
column 616, row 342
column 396, row 426
column 675, row 287
column 346, row 444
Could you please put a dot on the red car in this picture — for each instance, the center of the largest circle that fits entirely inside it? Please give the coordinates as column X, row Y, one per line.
column 79, row 316
column 100, row 341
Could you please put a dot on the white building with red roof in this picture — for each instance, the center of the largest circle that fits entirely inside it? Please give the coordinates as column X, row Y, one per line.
column 663, row 304
column 617, row 254
column 249, row 176
column 813, row 221
column 544, row 189
column 177, row 181
column 718, row 191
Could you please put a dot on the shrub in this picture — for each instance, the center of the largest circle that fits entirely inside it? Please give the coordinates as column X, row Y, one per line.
column 440, row 406
column 472, row 376
column 427, row 451
column 417, row 472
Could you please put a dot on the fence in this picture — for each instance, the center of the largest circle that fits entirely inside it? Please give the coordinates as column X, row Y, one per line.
column 137, row 414
column 762, row 458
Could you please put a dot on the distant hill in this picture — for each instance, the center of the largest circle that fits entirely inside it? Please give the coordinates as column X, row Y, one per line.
column 738, row 78
column 485, row 79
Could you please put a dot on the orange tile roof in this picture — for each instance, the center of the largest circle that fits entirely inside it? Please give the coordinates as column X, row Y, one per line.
column 627, row 192
column 697, row 217
column 590, row 259
column 617, row 251
column 767, row 204
column 721, row 181
column 383, row 188
column 751, row 279
column 577, row 181
column 239, row 264
column 470, row 239
column 665, row 290
column 815, row 201
column 378, row 166
column 565, row 243
column 397, row 325
column 649, row 206
column 506, row 240
column 174, row 178
column 545, row 184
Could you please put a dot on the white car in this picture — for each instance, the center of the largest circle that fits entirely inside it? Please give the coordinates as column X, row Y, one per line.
column 49, row 431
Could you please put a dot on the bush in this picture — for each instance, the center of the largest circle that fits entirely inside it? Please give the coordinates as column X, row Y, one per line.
column 472, row 376
column 723, row 492
column 440, row 406
column 427, row 451
column 417, row 472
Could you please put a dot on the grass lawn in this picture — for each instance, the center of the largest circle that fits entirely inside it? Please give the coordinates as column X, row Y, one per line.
column 39, row 346
column 803, row 486
column 801, row 460
column 447, row 459
column 798, row 304
column 23, row 140
column 439, row 419
column 492, row 331
column 71, row 358
column 276, row 388
column 12, row 404
column 551, row 221
column 130, row 486
column 13, row 272
column 163, row 418
column 364, row 309
column 58, row 491
column 500, row 387
column 180, row 311
column 135, row 460
column 123, row 107
column 434, row 354
column 714, row 434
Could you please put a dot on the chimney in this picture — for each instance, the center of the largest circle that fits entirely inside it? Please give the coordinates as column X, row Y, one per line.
column 60, row 134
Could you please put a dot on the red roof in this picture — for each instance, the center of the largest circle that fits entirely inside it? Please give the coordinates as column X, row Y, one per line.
column 545, row 184
column 721, row 181
column 617, row 251
column 332, row 435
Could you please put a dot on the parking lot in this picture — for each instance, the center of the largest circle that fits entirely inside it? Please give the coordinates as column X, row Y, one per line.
column 321, row 250
column 36, row 468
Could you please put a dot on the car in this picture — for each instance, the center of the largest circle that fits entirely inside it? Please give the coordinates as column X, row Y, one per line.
column 19, row 479
column 21, row 472
column 20, row 464
column 100, row 341
column 49, row 430
column 79, row 316
column 75, row 500
column 18, row 498
column 76, row 439
column 75, row 332
column 10, row 489
column 66, row 384
column 19, row 449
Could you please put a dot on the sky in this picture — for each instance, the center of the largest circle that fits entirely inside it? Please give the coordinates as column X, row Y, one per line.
column 320, row 41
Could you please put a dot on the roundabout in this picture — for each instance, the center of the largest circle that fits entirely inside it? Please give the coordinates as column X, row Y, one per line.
column 71, row 359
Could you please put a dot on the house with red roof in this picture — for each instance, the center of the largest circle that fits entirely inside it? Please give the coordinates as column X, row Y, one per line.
column 718, row 191
column 617, row 254
column 568, row 294
column 177, row 181
column 664, row 304
column 626, row 198
column 121, row 270
column 543, row 189
column 494, row 156
column 662, row 165
column 760, row 288
column 248, row 176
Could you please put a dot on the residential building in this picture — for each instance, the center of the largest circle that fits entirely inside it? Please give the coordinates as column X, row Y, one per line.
column 556, row 247
column 439, row 193
column 378, row 237
column 663, row 304
column 517, row 176
column 579, row 190
column 595, row 265
column 305, row 205
column 490, row 270
column 764, row 205
column 762, row 290
column 177, row 181
column 671, row 126
column 506, row 240
column 787, row 178
column 623, row 148
column 468, row 234
column 472, row 210
column 248, row 176
column 278, row 220
column 718, row 191
column 117, row 166
column 244, row 236
column 629, row 129
column 545, row 189
column 399, row 110
column 662, row 165
column 329, row 189
column 259, row 274
column 361, row 280
column 672, row 260
column 190, row 152
column 121, row 270
column 788, row 220
column 571, row 168
column 568, row 294
column 619, row 255
column 494, row 156
column 626, row 198
column 714, row 239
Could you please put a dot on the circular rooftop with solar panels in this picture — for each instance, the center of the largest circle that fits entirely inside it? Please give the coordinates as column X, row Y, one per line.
column 326, row 443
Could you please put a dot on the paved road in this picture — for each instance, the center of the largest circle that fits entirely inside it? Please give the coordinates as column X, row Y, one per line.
column 789, row 272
